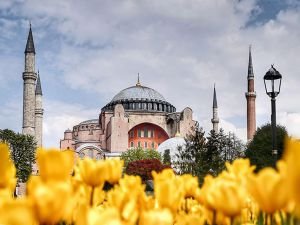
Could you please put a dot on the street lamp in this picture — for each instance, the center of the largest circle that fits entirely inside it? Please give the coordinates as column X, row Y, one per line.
column 272, row 81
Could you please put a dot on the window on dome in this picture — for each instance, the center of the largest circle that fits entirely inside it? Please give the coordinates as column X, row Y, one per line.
column 146, row 132
column 139, row 133
column 154, row 106
column 152, row 133
column 142, row 133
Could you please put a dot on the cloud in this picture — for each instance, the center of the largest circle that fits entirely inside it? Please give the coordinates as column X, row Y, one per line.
column 60, row 116
column 89, row 50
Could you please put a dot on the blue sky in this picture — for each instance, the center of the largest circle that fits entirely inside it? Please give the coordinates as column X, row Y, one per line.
column 87, row 51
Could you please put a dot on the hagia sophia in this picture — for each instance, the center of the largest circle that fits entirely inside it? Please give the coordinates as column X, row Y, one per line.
column 138, row 116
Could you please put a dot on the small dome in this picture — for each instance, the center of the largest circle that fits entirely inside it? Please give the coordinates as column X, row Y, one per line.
column 89, row 121
column 138, row 92
column 172, row 144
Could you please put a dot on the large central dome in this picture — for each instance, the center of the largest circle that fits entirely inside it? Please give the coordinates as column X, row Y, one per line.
column 140, row 98
column 138, row 92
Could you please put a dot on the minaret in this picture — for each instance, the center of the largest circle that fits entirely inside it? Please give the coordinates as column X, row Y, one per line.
column 215, row 119
column 29, row 77
column 38, row 112
column 250, row 96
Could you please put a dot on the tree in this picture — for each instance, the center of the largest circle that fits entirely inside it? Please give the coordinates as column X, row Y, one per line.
column 215, row 149
column 167, row 157
column 207, row 155
column 144, row 168
column 191, row 157
column 259, row 149
column 139, row 153
column 22, row 151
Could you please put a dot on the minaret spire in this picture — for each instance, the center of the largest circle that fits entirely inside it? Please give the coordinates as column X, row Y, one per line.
column 250, row 66
column 38, row 88
column 30, row 44
column 215, row 119
column 250, row 96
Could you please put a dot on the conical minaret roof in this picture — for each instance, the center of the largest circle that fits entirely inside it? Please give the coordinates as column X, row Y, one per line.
column 30, row 44
column 250, row 66
column 38, row 88
column 215, row 104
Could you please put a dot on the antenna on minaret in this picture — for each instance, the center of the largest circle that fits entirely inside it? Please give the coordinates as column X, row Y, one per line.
column 138, row 80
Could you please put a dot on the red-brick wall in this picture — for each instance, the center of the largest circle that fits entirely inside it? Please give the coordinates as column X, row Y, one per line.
column 146, row 135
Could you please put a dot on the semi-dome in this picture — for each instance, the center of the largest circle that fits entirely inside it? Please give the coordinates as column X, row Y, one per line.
column 172, row 145
column 140, row 98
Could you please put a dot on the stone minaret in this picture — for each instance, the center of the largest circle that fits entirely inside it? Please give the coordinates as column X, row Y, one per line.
column 29, row 77
column 38, row 112
column 250, row 96
column 215, row 119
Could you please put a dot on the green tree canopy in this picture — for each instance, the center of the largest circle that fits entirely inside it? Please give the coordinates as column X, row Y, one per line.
column 259, row 149
column 139, row 153
column 22, row 150
column 207, row 155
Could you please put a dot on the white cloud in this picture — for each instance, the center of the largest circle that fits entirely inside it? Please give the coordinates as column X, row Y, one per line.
column 60, row 116
column 179, row 48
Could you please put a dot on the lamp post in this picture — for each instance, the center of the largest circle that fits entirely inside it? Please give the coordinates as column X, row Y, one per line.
column 272, row 80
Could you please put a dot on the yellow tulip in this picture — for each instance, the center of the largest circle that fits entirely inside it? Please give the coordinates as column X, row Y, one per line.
column 54, row 164
column 109, row 216
column 92, row 172
column 156, row 217
column 238, row 171
column 190, row 185
column 51, row 201
column 292, row 158
column 168, row 190
column 268, row 188
column 189, row 219
column 115, row 168
column 128, row 198
column 226, row 197
column 7, row 169
column 17, row 212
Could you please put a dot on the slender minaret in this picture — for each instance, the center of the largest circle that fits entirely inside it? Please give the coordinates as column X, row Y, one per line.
column 38, row 112
column 250, row 96
column 215, row 119
column 29, row 77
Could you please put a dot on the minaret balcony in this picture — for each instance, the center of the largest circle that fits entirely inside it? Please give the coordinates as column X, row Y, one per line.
column 250, row 94
column 29, row 75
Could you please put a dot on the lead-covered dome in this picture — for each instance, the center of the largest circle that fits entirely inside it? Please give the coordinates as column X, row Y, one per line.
column 140, row 98
column 138, row 92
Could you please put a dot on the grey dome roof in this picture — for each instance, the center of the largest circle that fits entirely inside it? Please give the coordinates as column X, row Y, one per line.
column 138, row 92
column 89, row 121
column 172, row 144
